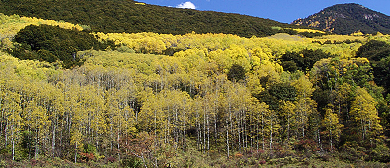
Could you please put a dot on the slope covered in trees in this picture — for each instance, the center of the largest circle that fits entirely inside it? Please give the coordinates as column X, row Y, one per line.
column 196, row 100
column 347, row 19
column 132, row 17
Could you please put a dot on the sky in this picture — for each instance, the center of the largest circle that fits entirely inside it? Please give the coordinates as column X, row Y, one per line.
column 284, row 11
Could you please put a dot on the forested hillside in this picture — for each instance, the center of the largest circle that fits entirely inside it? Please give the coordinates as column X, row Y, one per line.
column 193, row 100
column 131, row 17
column 348, row 19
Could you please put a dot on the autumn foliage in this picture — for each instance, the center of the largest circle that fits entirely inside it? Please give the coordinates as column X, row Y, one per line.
column 215, row 99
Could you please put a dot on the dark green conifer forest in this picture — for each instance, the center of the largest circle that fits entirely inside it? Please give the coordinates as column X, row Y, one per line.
column 128, row 16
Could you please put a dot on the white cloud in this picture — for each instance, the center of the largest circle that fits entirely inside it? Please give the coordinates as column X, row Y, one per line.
column 186, row 5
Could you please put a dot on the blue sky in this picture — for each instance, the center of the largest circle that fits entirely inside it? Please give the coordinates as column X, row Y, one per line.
column 280, row 10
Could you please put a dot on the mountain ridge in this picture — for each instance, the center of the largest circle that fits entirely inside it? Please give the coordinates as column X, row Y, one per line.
column 132, row 17
column 347, row 19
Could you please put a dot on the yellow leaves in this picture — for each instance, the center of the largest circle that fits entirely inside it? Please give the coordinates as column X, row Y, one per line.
column 343, row 50
column 6, row 43
column 304, row 86
column 288, row 109
column 379, row 34
column 357, row 33
column 258, row 56
column 39, row 117
column 309, row 30
column 61, row 24
column 10, row 106
column 365, row 113
column 268, row 69
column 165, row 106
column 232, row 55
column 364, row 106
column 331, row 123
column 7, row 59
column 142, row 63
column 286, row 37
column 332, row 126
column 339, row 38
column 76, row 138
column 10, row 25
column 26, row 68
column 254, row 85
column 237, row 52
column 222, row 60
column 141, row 42
column 225, row 50
column 361, row 61
column 192, row 58
column 108, row 90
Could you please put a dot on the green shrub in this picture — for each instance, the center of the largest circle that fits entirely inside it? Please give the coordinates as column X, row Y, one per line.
column 381, row 153
column 52, row 43
column 132, row 162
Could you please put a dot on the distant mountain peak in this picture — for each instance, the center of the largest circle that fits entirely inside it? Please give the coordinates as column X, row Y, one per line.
column 348, row 18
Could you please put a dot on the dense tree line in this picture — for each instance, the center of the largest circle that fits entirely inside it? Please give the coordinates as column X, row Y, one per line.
column 128, row 16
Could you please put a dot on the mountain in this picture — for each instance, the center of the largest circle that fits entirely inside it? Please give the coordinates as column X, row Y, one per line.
column 347, row 19
column 132, row 17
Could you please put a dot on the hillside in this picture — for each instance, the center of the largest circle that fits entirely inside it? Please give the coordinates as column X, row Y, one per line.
column 192, row 100
column 132, row 17
column 347, row 19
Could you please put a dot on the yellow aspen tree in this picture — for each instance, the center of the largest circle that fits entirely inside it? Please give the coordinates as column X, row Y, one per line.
column 197, row 120
column 288, row 113
column 365, row 115
column 303, row 86
column 12, row 110
column 150, row 108
column 267, row 125
column 2, row 104
column 273, row 126
column 182, row 102
column 126, row 102
column 304, row 108
column 58, row 111
column 243, row 100
column 48, row 95
column 259, row 110
column 39, row 123
column 343, row 94
column 75, row 118
column 76, row 138
column 114, row 119
column 332, row 126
